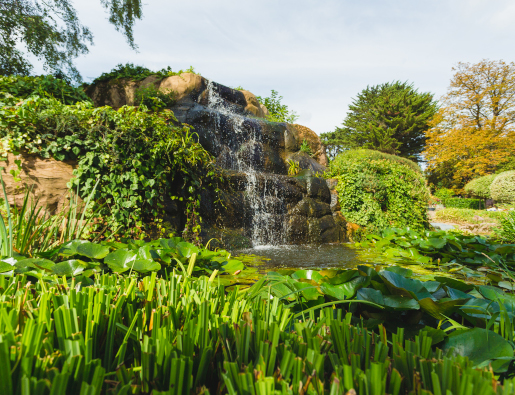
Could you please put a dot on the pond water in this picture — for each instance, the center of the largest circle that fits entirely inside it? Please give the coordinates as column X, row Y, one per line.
column 325, row 256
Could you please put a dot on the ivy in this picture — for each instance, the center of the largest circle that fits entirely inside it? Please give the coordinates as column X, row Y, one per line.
column 139, row 157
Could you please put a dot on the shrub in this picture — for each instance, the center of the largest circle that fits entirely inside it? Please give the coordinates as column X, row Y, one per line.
column 475, row 204
column 503, row 187
column 378, row 190
column 278, row 112
column 43, row 86
column 154, row 98
column 480, row 187
column 138, row 73
column 444, row 193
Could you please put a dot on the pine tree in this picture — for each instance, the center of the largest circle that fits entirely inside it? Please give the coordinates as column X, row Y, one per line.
column 391, row 118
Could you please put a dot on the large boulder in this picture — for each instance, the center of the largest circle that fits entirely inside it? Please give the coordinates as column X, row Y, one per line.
column 46, row 179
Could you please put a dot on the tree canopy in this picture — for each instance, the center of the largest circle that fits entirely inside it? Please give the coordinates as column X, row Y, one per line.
column 51, row 31
column 391, row 118
column 473, row 132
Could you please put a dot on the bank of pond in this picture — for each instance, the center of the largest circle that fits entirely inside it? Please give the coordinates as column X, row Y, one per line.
column 400, row 313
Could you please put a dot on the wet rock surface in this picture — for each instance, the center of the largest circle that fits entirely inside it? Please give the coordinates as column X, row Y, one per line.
column 259, row 203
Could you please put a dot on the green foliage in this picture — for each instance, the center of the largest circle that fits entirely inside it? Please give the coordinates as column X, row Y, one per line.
column 138, row 73
column 390, row 118
column 480, row 187
column 447, row 249
column 51, row 32
column 444, row 193
column 475, row 204
column 293, row 167
column 502, row 188
column 154, row 98
column 506, row 232
column 138, row 157
column 467, row 215
column 377, row 190
column 277, row 112
column 43, row 86
column 180, row 336
column 304, row 147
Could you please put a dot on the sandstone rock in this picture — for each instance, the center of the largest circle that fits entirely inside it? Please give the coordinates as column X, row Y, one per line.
column 311, row 208
column 253, row 105
column 302, row 133
column 182, row 85
column 306, row 162
column 47, row 179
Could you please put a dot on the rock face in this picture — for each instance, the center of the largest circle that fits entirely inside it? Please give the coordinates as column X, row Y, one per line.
column 260, row 204
column 46, row 178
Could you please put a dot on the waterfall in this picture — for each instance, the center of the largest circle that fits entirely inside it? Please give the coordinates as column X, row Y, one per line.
column 267, row 210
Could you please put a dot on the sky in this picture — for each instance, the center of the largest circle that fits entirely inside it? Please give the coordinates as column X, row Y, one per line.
column 317, row 54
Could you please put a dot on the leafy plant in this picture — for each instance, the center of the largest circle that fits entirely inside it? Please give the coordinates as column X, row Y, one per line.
column 444, row 193
column 277, row 112
column 138, row 73
column 137, row 156
column 506, row 232
column 441, row 247
column 377, row 190
column 43, row 86
column 293, row 168
column 154, row 98
column 304, row 147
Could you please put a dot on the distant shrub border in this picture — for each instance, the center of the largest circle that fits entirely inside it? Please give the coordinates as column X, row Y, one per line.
column 378, row 190
column 475, row 204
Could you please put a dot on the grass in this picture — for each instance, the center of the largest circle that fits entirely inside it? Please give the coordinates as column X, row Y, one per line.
column 467, row 216
column 180, row 335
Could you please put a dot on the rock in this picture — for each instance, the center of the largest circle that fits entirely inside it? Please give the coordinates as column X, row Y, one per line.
column 47, row 179
column 298, row 229
column 306, row 162
column 253, row 105
column 183, row 85
column 317, row 188
column 302, row 133
column 309, row 207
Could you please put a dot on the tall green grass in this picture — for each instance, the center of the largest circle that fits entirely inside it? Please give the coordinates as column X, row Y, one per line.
column 182, row 335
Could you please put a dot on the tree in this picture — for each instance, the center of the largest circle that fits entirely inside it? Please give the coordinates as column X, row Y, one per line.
column 473, row 132
column 51, row 31
column 277, row 112
column 391, row 118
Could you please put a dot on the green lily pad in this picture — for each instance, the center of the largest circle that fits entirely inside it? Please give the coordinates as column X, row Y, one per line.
column 453, row 283
column 346, row 290
column 36, row 263
column 395, row 302
column 145, row 265
column 478, row 344
column 120, row 258
column 307, row 274
column 92, row 250
column 72, row 267
column 400, row 270
column 437, row 242
column 399, row 285
column 5, row 267
column 70, row 248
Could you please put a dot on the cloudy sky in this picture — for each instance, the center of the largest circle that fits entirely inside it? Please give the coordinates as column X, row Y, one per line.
column 318, row 54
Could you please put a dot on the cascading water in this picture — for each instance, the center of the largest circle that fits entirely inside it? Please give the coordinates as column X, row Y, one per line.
column 267, row 211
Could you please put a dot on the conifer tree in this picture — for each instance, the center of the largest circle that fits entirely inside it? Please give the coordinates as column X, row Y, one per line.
column 391, row 118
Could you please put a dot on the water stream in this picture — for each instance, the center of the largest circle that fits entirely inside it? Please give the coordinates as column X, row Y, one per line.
column 267, row 211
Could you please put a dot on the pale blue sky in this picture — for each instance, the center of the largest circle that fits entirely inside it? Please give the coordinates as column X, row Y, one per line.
column 317, row 54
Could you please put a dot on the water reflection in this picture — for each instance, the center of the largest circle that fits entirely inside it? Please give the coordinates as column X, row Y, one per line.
column 314, row 257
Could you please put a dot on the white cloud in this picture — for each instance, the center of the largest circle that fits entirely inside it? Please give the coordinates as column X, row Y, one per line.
column 317, row 54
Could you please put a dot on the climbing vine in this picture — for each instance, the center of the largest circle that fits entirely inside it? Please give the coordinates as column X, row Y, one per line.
column 138, row 157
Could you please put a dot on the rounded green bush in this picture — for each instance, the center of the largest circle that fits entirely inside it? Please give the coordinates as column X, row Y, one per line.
column 503, row 187
column 378, row 190
column 480, row 187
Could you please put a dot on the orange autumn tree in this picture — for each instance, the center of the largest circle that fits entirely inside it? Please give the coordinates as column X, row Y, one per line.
column 473, row 132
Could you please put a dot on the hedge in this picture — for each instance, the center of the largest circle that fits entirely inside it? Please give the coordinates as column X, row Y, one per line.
column 476, row 204
column 480, row 187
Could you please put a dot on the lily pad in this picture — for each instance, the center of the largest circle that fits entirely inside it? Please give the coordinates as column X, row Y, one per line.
column 72, row 267
column 478, row 344
column 92, row 250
